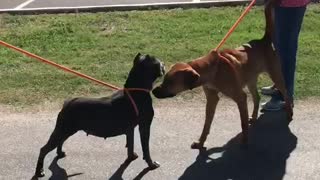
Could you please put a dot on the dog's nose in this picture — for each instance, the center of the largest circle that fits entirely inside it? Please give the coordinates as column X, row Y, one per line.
column 159, row 93
column 156, row 92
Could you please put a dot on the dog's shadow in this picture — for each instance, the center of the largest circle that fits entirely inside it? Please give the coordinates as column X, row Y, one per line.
column 59, row 173
column 119, row 172
column 270, row 145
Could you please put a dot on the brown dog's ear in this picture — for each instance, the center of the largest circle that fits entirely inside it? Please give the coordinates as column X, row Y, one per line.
column 191, row 78
column 136, row 59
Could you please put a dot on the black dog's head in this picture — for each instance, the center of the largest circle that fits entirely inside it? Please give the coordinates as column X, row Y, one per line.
column 146, row 69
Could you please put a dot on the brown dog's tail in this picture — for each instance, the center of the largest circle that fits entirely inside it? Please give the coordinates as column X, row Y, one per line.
column 269, row 16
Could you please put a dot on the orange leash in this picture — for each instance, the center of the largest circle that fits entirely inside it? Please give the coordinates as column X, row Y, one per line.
column 57, row 65
column 112, row 86
column 41, row 59
column 235, row 25
column 231, row 30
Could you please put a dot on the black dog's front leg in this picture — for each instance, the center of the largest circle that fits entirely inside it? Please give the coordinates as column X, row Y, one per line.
column 144, row 129
column 130, row 146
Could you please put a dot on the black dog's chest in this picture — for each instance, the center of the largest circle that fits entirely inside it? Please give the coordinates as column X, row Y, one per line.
column 104, row 133
column 110, row 127
column 107, row 122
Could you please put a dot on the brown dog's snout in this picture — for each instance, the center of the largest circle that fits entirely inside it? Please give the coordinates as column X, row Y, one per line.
column 157, row 92
column 160, row 93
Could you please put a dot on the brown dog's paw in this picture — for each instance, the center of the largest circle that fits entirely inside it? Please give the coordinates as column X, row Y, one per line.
column 198, row 145
column 252, row 120
column 153, row 165
column 132, row 157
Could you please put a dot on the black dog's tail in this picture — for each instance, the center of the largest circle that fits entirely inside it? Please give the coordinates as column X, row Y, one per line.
column 269, row 16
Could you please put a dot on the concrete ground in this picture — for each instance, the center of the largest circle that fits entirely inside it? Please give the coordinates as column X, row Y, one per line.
column 276, row 151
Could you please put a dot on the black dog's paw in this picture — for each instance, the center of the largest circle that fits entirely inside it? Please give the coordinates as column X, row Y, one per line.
column 198, row 145
column 34, row 178
column 131, row 158
column 61, row 155
column 39, row 173
column 153, row 165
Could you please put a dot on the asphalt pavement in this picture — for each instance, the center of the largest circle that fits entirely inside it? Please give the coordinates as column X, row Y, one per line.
column 276, row 151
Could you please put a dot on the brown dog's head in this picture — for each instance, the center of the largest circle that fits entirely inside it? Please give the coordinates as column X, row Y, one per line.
column 180, row 77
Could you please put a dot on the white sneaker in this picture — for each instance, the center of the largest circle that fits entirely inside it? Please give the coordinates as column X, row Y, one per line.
column 269, row 90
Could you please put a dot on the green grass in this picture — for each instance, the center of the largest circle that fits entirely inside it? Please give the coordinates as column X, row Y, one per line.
column 103, row 45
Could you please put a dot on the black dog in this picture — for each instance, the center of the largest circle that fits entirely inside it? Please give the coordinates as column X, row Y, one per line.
column 111, row 116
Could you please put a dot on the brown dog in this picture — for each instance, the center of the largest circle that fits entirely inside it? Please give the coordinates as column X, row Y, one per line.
column 229, row 71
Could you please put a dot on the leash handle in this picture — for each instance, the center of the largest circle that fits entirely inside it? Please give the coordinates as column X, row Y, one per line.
column 235, row 25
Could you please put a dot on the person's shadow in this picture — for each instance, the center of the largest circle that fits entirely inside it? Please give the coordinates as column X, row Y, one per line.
column 270, row 145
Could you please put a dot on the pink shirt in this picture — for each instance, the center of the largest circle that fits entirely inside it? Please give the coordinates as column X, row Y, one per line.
column 293, row 3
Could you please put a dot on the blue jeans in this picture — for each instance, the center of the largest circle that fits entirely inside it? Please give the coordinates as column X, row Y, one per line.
column 288, row 22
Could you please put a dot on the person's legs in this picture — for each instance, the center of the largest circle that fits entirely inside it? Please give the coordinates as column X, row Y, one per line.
column 287, row 27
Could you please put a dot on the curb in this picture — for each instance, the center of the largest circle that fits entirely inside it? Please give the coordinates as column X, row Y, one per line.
column 128, row 7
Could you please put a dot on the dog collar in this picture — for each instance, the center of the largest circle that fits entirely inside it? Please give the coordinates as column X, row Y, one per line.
column 127, row 91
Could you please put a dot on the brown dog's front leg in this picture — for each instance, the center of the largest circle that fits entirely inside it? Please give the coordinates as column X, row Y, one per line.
column 144, row 129
column 243, row 109
column 212, row 101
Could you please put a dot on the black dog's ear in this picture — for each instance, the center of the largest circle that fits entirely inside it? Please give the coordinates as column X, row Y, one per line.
column 191, row 78
column 136, row 59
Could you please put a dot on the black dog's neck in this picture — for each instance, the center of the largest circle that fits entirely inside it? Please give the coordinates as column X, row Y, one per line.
column 138, row 84
column 141, row 98
column 139, row 80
